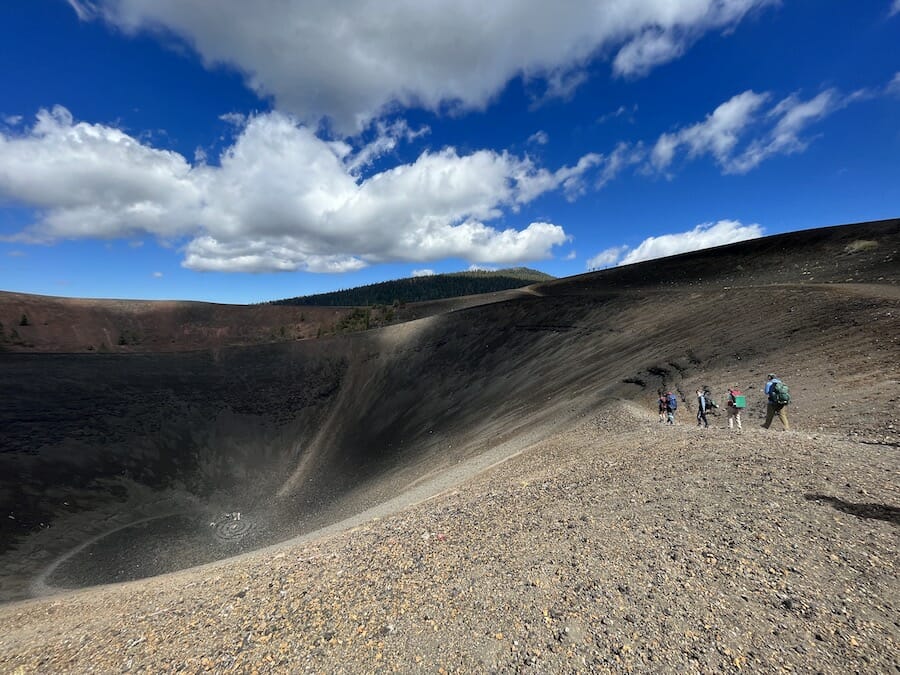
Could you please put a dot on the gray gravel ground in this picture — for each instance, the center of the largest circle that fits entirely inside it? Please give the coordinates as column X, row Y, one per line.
column 620, row 546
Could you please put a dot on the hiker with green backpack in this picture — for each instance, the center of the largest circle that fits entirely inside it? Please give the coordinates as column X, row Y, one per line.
column 736, row 402
column 779, row 398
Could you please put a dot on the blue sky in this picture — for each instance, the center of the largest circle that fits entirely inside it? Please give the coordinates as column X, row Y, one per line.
column 241, row 152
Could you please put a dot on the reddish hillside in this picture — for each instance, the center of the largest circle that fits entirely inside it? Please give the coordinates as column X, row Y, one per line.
column 35, row 323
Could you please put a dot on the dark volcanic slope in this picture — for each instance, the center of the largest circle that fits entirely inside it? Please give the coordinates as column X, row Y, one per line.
column 120, row 466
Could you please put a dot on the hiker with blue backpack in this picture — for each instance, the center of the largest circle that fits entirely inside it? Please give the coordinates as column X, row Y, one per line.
column 736, row 402
column 778, row 400
column 671, row 407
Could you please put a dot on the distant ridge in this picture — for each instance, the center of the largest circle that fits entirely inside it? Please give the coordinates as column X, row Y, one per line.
column 419, row 289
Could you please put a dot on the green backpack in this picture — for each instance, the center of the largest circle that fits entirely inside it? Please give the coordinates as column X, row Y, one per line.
column 780, row 394
column 738, row 400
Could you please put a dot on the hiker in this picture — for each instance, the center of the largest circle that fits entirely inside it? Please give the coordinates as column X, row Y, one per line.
column 736, row 402
column 671, row 407
column 662, row 407
column 701, row 409
column 704, row 405
column 711, row 405
column 778, row 399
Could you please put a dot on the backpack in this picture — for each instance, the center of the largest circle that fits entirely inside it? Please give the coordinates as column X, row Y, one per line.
column 710, row 404
column 672, row 402
column 738, row 400
column 779, row 393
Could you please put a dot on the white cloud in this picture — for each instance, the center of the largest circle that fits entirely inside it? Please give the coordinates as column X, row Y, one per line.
column 648, row 50
column 532, row 182
column 83, row 10
column 624, row 155
column 539, row 137
column 157, row 275
column 234, row 118
column 13, row 120
column 663, row 31
column 280, row 198
column 664, row 151
column 386, row 139
column 361, row 58
column 619, row 112
column 895, row 8
column 723, row 134
column 481, row 268
column 560, row 84
column 606, row 258
column 716, row 135
column 893, row 87
column 793, row 116
column 93, row 180
column 571, row 255
column 702, row 236
column 423, row 273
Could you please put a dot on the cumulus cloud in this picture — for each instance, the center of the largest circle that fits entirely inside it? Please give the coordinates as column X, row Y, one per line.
column 361, row 58
column 280, row 198
column 93, row 180
column 606, row 258
column 724, row 133
column 702, row 236
column 539, row 137
column 423, row 273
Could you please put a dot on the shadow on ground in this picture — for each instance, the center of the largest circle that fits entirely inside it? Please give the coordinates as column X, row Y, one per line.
column 890, row 514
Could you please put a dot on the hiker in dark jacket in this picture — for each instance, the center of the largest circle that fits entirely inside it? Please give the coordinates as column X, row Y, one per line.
column 774, row 407
column 662, row 407
column 702, row 408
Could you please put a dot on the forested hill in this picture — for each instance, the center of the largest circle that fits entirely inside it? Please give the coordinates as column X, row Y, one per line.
column 418, row 289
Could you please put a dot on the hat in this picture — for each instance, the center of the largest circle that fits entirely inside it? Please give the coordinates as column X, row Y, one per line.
column 771, row 376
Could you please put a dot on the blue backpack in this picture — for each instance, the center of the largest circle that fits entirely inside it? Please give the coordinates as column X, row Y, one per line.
column 672, row 401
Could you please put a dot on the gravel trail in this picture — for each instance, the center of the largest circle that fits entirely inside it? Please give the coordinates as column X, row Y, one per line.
column 622, row 545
